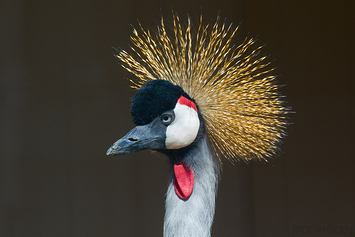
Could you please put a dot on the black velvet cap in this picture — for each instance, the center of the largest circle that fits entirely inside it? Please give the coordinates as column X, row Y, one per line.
column 153, row 99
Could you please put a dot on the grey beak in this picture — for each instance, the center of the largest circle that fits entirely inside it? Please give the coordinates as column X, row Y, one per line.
column 138, row 139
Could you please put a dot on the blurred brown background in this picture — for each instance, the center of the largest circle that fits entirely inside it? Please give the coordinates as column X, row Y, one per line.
column 64, row 101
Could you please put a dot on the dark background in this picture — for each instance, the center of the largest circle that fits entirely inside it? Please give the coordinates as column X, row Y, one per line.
column 64, row 101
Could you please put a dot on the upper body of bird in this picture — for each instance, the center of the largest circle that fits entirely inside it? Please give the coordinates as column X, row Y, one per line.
column 199, row 100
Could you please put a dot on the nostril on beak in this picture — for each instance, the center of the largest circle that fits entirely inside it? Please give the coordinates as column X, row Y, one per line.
column 133, row 139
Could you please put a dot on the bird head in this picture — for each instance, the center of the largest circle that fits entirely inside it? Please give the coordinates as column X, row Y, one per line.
column 240, row 108
column 166, row 118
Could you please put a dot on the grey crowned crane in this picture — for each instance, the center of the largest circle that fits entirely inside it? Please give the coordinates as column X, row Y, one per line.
column 199, row 100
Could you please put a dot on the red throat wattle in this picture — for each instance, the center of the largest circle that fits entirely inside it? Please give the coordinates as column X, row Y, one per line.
column 184, row 181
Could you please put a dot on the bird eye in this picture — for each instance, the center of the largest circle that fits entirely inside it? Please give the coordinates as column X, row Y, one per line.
column 167, row 118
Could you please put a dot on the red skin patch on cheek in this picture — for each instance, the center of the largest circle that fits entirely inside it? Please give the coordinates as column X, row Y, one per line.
column 182, row 100
column 184, row 181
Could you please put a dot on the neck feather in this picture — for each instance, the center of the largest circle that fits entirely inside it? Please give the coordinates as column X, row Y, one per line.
column 194, row 216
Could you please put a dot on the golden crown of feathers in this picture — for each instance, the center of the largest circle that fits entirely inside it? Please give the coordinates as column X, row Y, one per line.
column 244, row 114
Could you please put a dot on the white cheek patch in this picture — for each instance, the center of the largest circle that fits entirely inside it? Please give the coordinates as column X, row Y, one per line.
column 183, row 131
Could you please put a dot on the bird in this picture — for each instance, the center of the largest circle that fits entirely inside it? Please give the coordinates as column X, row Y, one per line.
column 200, row 100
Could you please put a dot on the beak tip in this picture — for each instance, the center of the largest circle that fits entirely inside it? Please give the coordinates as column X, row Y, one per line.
column 110, row 152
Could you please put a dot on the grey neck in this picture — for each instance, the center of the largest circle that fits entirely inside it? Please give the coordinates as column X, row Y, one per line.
column 193, row 217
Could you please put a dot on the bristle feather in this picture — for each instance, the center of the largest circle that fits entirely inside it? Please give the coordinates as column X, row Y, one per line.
column 244, row 115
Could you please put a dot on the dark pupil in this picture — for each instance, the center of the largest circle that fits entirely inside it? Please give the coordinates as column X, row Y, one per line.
column 166, row 118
